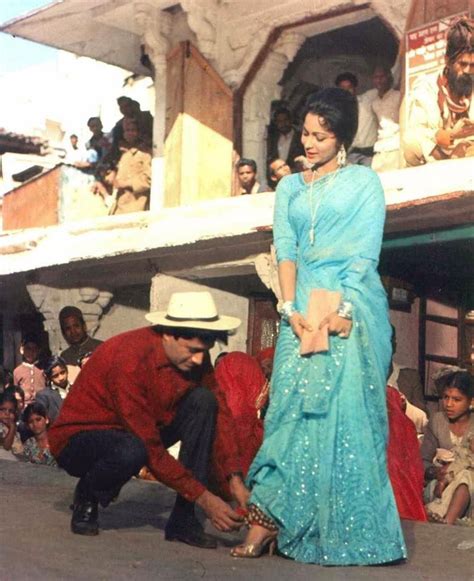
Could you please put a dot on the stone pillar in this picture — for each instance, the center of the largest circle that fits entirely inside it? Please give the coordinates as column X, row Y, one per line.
column 49, row 301
column 156, row 26
column 261, row 92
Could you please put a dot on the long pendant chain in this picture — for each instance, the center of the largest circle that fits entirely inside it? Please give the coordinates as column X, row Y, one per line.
column 314, row 206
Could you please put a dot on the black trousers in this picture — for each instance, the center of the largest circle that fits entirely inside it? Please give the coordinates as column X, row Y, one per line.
column 105, row 460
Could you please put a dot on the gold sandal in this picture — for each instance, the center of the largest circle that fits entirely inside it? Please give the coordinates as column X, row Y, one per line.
column 255, row 550
column 255, row 516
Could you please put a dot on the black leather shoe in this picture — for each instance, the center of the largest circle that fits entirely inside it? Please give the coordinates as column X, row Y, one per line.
column 85, row 518
column 191, row 534
column 84, row 512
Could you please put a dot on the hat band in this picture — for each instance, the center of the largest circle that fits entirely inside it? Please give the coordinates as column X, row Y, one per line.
column 203, row 319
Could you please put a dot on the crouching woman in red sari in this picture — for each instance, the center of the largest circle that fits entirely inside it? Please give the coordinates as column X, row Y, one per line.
column 246, row 388
column 405, row 467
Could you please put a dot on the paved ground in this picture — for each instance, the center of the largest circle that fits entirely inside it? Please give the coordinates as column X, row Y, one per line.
column 35, row 542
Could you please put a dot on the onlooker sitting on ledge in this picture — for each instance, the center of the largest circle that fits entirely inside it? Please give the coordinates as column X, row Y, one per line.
column 386, row 106
column 132, row 181
column 247, row 174
column 441, row 109
column 277, row 169
column 362, row 148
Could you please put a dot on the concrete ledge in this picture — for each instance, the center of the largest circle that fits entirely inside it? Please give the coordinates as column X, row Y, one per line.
column 416, row 199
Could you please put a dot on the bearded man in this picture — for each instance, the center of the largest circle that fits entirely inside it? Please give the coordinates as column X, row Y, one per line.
column 441, row 114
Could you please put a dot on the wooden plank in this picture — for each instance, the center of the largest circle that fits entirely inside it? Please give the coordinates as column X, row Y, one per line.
column 173, row 126
column 198, row 146
column 442, row 320
column 34, row 204
column 425, row 11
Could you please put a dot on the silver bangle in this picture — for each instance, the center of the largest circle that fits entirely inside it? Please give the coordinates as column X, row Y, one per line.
column 287, row 310
column 345, row 310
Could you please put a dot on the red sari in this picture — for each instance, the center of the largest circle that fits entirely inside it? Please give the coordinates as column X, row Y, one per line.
column 405, row 467
column 242, row 380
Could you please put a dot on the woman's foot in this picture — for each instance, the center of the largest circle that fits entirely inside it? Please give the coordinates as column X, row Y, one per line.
column 258, row 540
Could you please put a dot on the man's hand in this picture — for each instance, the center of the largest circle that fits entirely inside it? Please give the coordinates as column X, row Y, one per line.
column 219, row 512
column 239, row 491
column 462, row 129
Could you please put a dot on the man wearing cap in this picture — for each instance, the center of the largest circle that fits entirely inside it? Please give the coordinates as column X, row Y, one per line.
column 74, row 330
column 139, row 393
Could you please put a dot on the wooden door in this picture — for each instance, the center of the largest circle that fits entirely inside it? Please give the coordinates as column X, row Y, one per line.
column 263, row 324
column 199, row 130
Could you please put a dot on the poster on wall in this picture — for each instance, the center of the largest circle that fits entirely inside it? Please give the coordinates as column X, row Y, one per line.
column 438, row 100
column 426, row 47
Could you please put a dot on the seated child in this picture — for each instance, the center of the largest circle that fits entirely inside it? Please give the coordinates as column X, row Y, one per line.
column 51, row 397
column 36, row 449
column 27, row 375
column 21, row 427
column 460, row 462
column 10, row 443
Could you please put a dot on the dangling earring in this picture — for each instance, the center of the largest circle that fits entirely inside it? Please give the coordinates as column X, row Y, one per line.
column 341, row 156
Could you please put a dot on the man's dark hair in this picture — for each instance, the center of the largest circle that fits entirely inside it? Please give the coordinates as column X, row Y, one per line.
column 347, row 76
column 460, row 38
column 246, row 161
column 204, row 335
column 124, row 99
column 70, row 311
column 339, row 109
column 92, row 119
column 73, row 135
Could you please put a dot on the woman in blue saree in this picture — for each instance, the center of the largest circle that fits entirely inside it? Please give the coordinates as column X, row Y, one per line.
column 319, row 482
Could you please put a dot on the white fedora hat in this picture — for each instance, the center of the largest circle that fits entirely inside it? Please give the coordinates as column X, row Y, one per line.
column 193, row 310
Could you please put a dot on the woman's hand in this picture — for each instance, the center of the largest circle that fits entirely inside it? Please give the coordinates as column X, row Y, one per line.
column 337, row 325
column 299, row 324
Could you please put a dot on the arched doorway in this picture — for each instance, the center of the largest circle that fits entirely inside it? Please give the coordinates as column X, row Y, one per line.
column 306, row 57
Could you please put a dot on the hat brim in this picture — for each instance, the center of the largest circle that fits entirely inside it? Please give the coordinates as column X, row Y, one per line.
column 223, row 323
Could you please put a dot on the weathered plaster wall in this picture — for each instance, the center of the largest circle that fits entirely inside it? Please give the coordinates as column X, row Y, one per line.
column 121, row 318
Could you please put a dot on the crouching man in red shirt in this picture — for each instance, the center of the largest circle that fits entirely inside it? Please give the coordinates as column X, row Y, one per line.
column 139, row 393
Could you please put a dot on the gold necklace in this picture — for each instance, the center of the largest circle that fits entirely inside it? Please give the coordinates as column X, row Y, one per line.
column 314, row 209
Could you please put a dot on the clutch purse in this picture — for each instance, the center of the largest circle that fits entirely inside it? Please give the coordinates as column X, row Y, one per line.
column 322, row 303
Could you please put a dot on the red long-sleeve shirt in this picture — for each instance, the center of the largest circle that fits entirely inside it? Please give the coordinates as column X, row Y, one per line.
column 130, row 384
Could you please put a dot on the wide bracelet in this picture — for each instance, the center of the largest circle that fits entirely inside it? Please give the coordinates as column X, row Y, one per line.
column 287, row 310
column 345, row 310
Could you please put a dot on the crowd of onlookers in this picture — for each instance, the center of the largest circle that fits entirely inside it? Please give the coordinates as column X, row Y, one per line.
column 430, row 460
column 439, row 122
column 376, row 144
column 118, row 162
